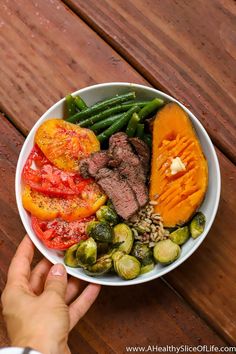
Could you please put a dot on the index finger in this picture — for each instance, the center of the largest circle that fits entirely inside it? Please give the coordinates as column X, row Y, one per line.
column 19, row 270
column 80, row 306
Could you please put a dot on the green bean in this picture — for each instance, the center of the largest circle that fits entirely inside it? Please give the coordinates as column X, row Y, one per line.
column 151, row 107
column 101, row 106
column 105, row 122
column 70, row 106
column 110, row 112
column 137, row 103
column 132, row 125
column 118, row 125
column 79, row 102
column 148, row 140
column 140, row 131
column 101, row 116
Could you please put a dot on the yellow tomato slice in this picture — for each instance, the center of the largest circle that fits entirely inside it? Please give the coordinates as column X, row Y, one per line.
column 65, row 144
column 69, row 209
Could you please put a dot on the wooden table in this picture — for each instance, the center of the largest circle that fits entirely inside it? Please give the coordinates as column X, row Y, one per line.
column 49, row 48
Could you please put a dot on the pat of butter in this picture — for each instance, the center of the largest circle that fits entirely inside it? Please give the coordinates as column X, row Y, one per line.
column 177, row 165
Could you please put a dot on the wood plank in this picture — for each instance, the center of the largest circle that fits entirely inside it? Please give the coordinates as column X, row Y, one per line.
column 46, row 51
column 186, row 48
column 139, row 315
column 207, row 279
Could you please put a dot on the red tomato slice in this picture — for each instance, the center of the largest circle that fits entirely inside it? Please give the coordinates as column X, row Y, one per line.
column 59, row 234
column 42, row 176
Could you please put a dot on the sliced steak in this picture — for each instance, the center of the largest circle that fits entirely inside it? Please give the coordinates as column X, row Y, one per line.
column 122, row 155
column 143, row 152
column 90, row 166
column 128, row 165
column 121, row 172
column 136, row 181
column 119, row 191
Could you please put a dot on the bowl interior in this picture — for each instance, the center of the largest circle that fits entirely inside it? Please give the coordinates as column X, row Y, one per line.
column 209, row 207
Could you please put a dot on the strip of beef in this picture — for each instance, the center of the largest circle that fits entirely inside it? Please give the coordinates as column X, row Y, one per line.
column 121, row 173
column 128, row 165
column 90, row 166
column 119, row 192
column 143, row 152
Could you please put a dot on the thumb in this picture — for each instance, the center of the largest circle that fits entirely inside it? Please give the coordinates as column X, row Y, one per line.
column 57, row 280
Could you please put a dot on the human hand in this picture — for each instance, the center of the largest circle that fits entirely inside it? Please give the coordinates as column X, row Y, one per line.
column 39, row 306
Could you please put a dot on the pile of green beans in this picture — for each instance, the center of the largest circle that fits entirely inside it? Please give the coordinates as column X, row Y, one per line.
column 118, row 113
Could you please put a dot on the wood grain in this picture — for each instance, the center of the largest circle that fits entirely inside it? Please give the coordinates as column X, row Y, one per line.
column 139, row 315
column 207, row 279
column 46, row 51
column 187, row 48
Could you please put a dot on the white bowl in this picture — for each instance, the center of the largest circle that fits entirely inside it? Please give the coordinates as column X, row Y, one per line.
column 209, row 207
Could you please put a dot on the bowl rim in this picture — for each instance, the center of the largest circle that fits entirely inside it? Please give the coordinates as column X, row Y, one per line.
column 164, row 270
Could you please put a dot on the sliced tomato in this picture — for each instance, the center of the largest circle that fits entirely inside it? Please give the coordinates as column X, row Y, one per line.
column 59, row 234
column 68, row 208
column 42, row 176
column 65, row 144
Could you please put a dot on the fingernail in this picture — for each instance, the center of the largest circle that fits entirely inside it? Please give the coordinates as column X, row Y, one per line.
column 58, row 270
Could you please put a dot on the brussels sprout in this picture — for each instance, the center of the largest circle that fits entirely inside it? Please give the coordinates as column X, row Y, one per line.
column 127, row 267
column 143, row 253
column 116, row 256
column 147, row 268
column 70, row 256
column 180, row 235
column 197, row 224
column 166, row 251
column 86, row 252
column 105, row 213
column 100, row 231
column 90, row 226
column 123, row 237
column 102, row 266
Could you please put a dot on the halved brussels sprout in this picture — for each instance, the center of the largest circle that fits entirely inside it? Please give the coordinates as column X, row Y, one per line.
column 147, row 268
column 123, row 238
column 127, row 267
column 100, row 231
column 105, row 213
column 166, row 251
column 70, row 256
column 197, row 224
column 90, row 226
column 180, row 235
column 86, row 253
column 142, row 252
column 116, row 256
column 102, row 266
